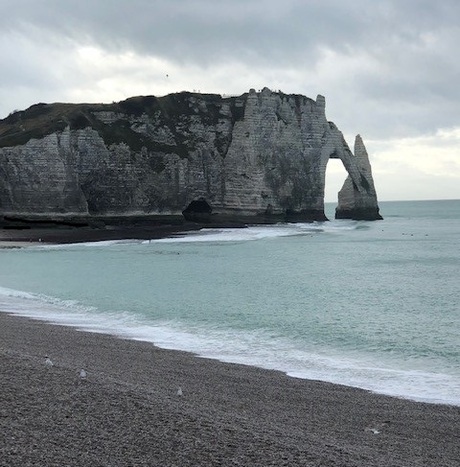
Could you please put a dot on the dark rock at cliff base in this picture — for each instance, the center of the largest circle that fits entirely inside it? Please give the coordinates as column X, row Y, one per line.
column 260, row 157
column 359, row 214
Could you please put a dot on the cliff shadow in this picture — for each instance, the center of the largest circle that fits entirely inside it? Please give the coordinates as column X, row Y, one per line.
column 198, row 210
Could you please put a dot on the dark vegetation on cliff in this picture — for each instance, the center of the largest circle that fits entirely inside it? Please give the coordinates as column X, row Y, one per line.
column 41, row 119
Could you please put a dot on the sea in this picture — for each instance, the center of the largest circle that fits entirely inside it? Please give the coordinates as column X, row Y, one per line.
column 374, row 305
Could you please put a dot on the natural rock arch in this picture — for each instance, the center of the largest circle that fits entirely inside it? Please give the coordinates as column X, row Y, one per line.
column 258, row 157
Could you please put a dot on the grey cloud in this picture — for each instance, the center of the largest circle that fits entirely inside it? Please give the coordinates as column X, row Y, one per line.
column 199, row 31
column 209, row 31
column 412, row 86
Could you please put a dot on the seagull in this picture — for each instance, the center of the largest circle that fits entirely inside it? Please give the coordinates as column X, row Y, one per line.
column 83, row 373
column 376, row 429
column 179, row 391
column 48, row 362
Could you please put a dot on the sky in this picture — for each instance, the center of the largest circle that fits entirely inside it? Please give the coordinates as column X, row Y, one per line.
column 389, row 69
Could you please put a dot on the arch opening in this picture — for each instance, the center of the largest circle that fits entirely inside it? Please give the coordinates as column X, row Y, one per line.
column 336, row 174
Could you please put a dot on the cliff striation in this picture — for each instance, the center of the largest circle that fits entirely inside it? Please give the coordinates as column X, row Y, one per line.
column 261, row 156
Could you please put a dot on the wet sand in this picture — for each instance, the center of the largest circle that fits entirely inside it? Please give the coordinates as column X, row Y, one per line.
column 127, row 412
column 27, row 237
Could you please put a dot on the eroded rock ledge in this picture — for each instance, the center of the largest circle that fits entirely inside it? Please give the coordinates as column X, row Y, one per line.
column 259, row 157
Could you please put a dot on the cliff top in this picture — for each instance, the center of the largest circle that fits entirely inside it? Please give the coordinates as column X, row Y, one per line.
column 42, row 119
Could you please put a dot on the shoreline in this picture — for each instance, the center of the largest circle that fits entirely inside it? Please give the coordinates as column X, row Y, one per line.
column 27, row 237
column 128, row 412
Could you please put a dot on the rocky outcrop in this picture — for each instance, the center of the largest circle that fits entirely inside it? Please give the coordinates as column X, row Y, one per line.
column 261, row 156
column 357, row 198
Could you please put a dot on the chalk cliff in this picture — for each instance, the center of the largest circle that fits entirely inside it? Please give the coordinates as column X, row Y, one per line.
column 261, row 156
column 357, row 198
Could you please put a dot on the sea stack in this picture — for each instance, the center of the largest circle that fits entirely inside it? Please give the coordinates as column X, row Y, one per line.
column 357, row 198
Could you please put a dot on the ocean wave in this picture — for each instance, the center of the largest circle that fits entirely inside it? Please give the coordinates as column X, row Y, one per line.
column 257, row 348
column 252, row 233
column 101, row 244
column 41, row 305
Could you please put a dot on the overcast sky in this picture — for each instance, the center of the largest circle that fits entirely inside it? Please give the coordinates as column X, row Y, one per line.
column 389, row 69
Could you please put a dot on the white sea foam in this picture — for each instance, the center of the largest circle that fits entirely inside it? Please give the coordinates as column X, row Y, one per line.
column 256, row 348
column 252, row 233
column 101, row 244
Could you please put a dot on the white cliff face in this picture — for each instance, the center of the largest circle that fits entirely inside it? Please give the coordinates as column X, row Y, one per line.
column 26, row 170
column 277, row 160
column 258, row 155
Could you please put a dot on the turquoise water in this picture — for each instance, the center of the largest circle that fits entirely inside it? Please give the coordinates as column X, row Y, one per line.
column 367, row 304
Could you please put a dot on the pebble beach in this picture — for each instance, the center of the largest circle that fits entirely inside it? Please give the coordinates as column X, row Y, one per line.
column 128, row 410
